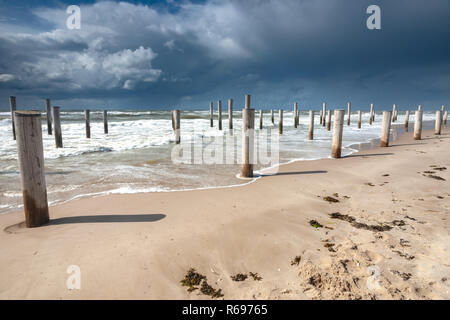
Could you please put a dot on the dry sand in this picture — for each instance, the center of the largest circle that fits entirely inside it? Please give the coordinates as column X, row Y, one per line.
column 258, row 228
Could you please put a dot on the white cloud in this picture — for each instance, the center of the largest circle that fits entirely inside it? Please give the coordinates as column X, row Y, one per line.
column 6, row 77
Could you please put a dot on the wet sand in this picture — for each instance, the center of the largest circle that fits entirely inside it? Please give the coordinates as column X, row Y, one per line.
column 386, row 238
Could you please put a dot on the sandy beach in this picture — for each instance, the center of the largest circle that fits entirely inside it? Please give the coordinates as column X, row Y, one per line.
column 382, row 233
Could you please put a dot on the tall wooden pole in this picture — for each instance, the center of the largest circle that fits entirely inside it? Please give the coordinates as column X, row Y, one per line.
column 230, row 114
column 248, row 128
column 13, row 107
column 295, row 114
column 394, row 113
column 31, row 167
column 386, row 129
column 176, row 125
column 371, row 114
column 419, row 108
column 219, row 111
column 105, row 121
column 336, row 143
column 311, row 125
column 211, row 115
column 407, row 121
column 49, row 116
column 320, row 117
column 359, row 119
column 87, row 116
column 324, row 111
column 280, row 121
column 272, row 117
column 445, row 118
column 349, row 112
column 437, row 128
column 442, row 113
column 57, row 124
column 329, row 120
column 418, row 125
column 260, row 119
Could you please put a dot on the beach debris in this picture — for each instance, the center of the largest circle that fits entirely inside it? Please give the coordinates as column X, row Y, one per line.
column 370, row 184
column 192, row 279
column 296, row 261
column 331, row 199
column 404, row 243
column 336, row 194
column 440, row 168
column 207, row 290
column 239, row 277
column 440, row 197
column 255, row 276
column 404, row 275
column 386, row 175
column 428, row 171
column 315, row 224
column 398, row 223
column 404, row 255
column 435, row 177
column 359, row 225
column 329, row 246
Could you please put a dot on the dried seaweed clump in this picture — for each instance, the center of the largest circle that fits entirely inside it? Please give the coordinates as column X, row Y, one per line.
column 193, row 279
column 239, row 277
column 207, row 290
column 359, row 225
column 315, row 224
column 296, row 261
column 330, row 199
column 255, row 276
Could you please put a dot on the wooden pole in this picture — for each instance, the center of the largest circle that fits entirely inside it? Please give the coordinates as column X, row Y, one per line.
column 260, row 119
column 418, row 125
column 336, row 143
column 295, row 114
column 87, row 116
column 49, row 116
column 437, row 128
column 272, row 117
column 211, row 115
column 311, row 125
column 407, row 121
column 419, row 108
column 394, row 113
column 324, row 112
column 442, row 113
column 359, row 119
column 248, row 126
column 57, row 125
column 349, row 111
column 105, row 121
column 280, row 121
column 321, row 117
column 13, row 107
column 329, row 120
column 371, row 114
column 176, row 125
column 230, row 114
column 386, row 129
column 219, row 115
column 445, row 118
column 31, row 167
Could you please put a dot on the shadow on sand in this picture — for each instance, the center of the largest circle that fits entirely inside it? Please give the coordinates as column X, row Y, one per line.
column 369, row 155
column 111, row 218
column 294, row 173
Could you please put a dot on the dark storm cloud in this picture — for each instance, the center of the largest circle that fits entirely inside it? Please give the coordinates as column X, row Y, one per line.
column 186, row 54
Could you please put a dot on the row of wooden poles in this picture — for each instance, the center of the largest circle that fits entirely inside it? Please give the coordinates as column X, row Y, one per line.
column 27, row 130
column 54, row 121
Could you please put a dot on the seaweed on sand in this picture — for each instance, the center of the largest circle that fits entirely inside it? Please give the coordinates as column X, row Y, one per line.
column 359, row 225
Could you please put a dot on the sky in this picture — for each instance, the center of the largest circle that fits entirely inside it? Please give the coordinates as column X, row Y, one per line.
column 183, row 54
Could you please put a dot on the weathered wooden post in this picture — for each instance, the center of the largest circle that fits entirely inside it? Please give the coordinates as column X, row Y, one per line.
column 445, row 118
column 359, row 119
column 324, row 112
column 320, row 117
column 295, row 114
column 105, row 121
column 437, row 127
column 394, row 113
column 230, row 114
column 442, row 113
column 176, row 125
column 419, row 108
column 57, row 125
column 329, row 120
column 385, row 129
column 371, row 114
column 87, row 116
column 407, row 121
column 31, row 167
column 272, row 117
column 418, row 125
column 338, row 127
column 248, row 127
column 219, row 115
column 311, row 125
column 49, row 116
column 349, row 111
column 280, row 121
column 260, row 119
column 13, row 107
column 211, row 115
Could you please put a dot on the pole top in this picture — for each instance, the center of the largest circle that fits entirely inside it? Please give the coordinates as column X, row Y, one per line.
column 55, row 107
column 27, row 113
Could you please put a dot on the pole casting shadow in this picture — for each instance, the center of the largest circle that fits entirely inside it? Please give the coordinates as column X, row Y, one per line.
column 111, row 218
column 293, row 173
